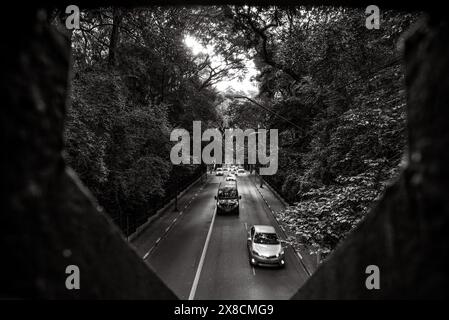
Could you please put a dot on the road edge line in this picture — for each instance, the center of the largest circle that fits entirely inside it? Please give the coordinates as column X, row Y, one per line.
column 203, row 256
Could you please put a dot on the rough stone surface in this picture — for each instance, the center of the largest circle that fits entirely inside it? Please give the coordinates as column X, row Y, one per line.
column 48, row 220
column 407, row 233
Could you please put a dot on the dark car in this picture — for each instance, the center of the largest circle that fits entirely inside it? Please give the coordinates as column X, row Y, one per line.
column 228, row 198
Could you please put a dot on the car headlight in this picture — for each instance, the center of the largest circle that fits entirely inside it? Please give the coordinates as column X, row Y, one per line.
column 280, row 254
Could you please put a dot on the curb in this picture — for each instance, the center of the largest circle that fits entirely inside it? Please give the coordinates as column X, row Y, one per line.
column 159, row 212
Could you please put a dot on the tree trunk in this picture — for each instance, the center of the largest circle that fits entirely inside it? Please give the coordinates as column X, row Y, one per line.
column 115, row 36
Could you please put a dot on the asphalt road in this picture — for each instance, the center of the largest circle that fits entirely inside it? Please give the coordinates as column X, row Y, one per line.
column 197, row 266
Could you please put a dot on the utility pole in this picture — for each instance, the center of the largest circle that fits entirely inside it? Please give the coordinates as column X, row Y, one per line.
column 127, row 224
column 176, row 186
column 257, row 158
column 176, row 195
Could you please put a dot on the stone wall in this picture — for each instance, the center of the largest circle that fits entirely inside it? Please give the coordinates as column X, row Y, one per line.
column 48, row 220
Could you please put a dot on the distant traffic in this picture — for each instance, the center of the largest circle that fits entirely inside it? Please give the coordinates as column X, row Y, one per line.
column 264, row 246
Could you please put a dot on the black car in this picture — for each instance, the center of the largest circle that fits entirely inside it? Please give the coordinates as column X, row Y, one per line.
column 228, row 198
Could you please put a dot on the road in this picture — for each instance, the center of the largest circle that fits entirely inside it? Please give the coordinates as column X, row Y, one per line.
column 197, row 266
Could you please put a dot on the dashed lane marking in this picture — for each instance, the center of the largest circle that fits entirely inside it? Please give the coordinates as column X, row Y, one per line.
column 171, row 225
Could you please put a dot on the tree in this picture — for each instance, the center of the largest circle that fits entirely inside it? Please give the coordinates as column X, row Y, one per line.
column 134, row 80
column 333, row 89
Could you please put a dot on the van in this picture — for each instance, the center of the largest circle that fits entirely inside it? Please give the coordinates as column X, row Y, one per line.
column 228, row 198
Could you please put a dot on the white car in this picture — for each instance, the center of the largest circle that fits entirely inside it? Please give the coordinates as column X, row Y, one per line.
column 241, row 171
column 231, row 177
column 264, row 247
column 219, row 172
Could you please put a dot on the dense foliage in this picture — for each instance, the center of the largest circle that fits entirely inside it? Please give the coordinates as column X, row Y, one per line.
column 334, row 89
column 134, row 81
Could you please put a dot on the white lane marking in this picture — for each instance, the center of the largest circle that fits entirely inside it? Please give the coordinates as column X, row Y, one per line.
column 203, row 256
column 254, row 271
column 166, row 230
column 299, row 255
column 246, row 226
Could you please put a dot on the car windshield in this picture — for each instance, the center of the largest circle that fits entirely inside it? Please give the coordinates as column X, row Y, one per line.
column 266, row 238
column 227, row 193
